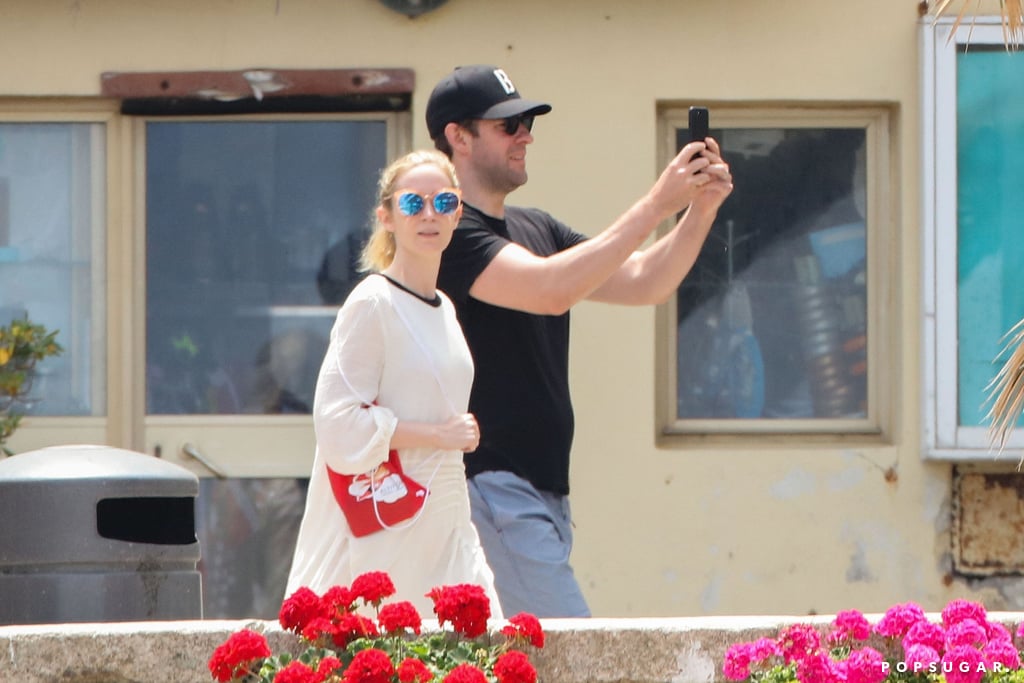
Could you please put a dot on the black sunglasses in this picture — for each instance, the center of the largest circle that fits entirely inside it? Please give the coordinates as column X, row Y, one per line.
column 512, row 123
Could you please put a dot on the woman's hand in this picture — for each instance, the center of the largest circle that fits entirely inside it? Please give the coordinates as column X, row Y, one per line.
column 460, row 433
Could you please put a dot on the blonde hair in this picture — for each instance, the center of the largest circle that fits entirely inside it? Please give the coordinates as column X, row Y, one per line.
column 379, row 251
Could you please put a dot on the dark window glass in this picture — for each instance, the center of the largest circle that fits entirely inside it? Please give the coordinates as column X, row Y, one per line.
column 772, row 319
column 253, row 232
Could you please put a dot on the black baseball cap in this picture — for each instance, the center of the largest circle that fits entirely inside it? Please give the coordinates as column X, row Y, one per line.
column 476, row 92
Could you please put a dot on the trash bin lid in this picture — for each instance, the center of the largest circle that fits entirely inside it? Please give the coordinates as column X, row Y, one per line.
column 90, row 461
column 89, row 503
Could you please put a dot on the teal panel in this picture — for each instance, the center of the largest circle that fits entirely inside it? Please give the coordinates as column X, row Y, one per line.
column 990, row 216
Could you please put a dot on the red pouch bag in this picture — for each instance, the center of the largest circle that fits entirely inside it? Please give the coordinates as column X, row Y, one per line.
column 381, row 499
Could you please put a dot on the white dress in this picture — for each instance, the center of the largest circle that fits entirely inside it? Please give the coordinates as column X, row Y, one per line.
column 378, row 354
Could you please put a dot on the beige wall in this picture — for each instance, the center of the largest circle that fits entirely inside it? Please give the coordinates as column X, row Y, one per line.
column 659, row 532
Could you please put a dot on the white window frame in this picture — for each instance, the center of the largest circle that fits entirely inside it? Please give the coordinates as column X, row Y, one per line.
column 944, row 437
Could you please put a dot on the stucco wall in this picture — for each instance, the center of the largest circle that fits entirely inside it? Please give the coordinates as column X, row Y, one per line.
column 660, row 532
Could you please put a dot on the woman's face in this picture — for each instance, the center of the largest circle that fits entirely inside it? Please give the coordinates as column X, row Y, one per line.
column 427, row 231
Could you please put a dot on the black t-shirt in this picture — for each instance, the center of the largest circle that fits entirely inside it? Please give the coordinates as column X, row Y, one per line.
column 520, row 393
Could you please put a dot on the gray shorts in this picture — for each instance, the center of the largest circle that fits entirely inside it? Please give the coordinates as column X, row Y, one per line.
column 526, row 535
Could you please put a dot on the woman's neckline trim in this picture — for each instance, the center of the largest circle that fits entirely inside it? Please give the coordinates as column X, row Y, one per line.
column 435, row 301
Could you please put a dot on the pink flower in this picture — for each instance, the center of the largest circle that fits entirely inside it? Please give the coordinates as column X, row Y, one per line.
column 865, row 665
column 898, row 619
column 960, row 610
column 849, row 625
column 817, row 668
column 1020, row 630
column 966, row 632
column 1003, row 653
column 763, row 651
column 997, row 631
column 918, row 657
column 797, row 641
column 736, row 664
column 963, row 664
column 925, row 633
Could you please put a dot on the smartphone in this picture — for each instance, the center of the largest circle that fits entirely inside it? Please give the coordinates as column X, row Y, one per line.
column 698, row 123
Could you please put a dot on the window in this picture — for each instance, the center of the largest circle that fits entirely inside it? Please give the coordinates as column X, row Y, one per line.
column 253, row 234
column 776, row 329
column 52, row 255
column 973, row 158
column 193, row 255
column 254, row 227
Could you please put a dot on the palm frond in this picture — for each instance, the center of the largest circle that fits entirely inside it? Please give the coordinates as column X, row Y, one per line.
column 1006, row 389
column 1012, row 12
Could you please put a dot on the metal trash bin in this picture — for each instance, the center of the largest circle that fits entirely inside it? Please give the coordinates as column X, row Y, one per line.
column 97, row 534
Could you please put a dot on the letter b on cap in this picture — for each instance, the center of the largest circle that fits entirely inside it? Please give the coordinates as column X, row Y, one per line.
column 505, row 81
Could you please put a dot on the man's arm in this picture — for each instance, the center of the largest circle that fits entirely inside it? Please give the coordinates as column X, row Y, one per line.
column 518, row 279
column 652, row 275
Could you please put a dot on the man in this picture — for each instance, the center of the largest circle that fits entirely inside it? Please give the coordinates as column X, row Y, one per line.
column 514, row 273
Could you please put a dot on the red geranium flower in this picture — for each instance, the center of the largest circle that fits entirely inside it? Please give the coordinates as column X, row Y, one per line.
column 297, row 672
column 237, row 655
column 373, row 587
column 319, row 631
column 397, row 616
column 514, row 667
column 369, row 666
column 327, row 666
column 412, row 670
column 464, row 606
column 337, row 600
column 299, row 609
column 525, row 626
column 351, row 626
column 465, row 673
column 344, row 646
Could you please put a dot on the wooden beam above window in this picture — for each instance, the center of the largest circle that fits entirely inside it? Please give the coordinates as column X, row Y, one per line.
column 260, row 89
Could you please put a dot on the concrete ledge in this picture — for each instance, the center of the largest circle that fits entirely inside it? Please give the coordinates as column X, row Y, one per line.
column 678, row 650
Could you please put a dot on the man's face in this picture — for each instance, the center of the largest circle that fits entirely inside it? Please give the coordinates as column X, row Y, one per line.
column 499, row 158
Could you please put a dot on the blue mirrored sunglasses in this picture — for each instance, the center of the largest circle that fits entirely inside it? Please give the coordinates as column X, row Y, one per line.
column 445, row 202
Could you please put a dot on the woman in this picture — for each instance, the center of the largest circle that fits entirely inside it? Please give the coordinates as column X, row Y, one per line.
column 396, row 376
